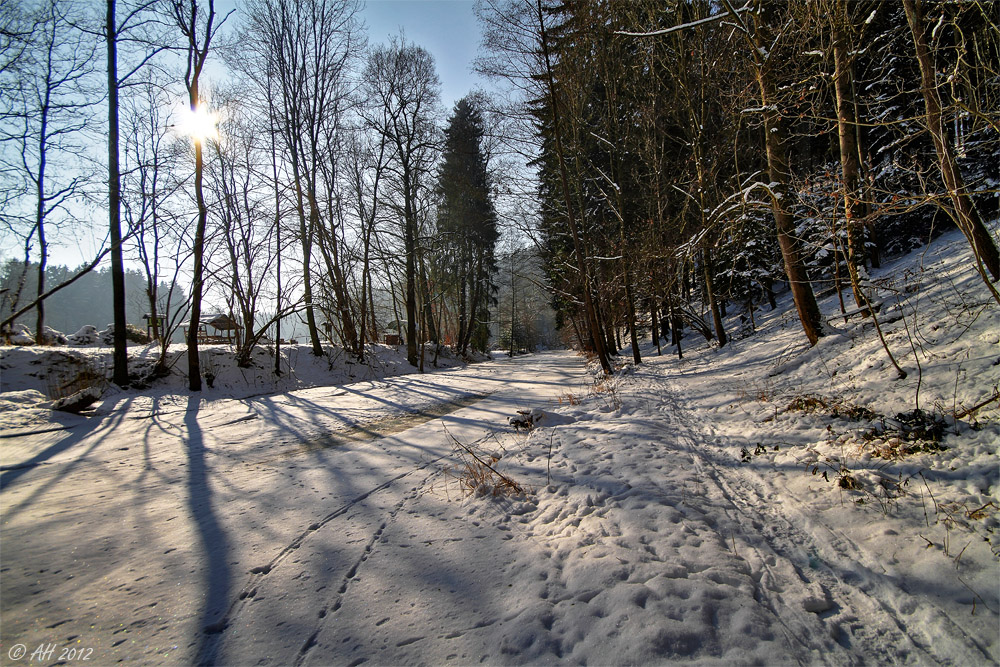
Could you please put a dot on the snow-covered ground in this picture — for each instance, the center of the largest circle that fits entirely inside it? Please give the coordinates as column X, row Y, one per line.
column 757, row 504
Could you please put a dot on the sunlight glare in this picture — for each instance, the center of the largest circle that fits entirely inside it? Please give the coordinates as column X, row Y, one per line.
column 200, row 124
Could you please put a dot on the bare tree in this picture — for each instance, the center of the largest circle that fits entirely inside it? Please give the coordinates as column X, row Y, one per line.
column 307, row 48
column 403, row 88
column 241, row 200
column 44, row 127
column 759, row 36
column 198, row 33
column 966, row 216
column 366, row 164
column 148, row 186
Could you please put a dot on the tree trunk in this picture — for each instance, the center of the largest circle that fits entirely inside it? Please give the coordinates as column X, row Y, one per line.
column 277, row 319
column 966, row 214
column 120, row 372
column 43, row 244
column 675, row 328
column 425, row 290
column 410, row 248
column 197, row 282
column 654, row 324
column 305, row 234
column 843, row 83
column 461, row 308
column 630, row 303
column 706, row 265
column 43, row 256
column 779, row 174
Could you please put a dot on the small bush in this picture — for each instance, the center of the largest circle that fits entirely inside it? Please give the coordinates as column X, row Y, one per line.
column 607, row 390
column 807, row 404
column 134, row 334
column 477, row 475
column 920, row 425
column 569, row 398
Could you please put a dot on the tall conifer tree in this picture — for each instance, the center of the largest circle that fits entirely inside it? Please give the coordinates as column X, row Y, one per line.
column 467, row 222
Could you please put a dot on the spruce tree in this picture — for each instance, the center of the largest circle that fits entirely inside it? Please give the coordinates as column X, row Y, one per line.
column 467, row 223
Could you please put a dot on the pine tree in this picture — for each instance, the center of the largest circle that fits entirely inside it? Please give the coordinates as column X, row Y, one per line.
column 467, row 222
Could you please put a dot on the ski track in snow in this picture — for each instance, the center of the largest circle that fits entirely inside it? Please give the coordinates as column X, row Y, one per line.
column 852, row 597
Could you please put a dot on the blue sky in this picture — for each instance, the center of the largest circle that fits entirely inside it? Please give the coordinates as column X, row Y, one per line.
column 446, row 28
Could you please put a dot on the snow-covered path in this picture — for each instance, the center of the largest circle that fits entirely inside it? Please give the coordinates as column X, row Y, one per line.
column 325, row 527
column 139, row 533
column 838, row 601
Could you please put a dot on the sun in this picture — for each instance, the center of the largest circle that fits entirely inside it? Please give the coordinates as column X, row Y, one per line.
column 200, row 124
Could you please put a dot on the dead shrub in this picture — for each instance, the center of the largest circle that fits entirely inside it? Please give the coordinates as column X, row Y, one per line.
column 807, row 404
column 477, row 475
column 569, row 398
column 810, row 403
column 607, row 390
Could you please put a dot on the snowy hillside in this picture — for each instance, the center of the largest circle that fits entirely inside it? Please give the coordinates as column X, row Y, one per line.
column 763, row 503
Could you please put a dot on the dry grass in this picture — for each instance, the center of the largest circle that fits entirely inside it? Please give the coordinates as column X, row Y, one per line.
column 569, row 399
column 607, row 390
column 810, row 403
column 477, row 474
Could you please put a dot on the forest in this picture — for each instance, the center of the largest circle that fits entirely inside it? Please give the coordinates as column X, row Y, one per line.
column 662, row 162
column 696, row 155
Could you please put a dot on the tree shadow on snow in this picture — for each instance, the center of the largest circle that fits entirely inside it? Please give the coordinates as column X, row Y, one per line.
column 213, row 538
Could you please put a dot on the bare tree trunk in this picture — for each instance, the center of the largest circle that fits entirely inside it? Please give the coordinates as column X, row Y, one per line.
column 120, row 372
column 706, row 265
column 410, row 248
column 43, row 252
column 197, row 53
column 425, row 290
column 305, row 234
column 847, row 128
column 778, row 172
column 675, row 327
column 277, row 233
column 43, row 245
column 630, row 305
column 966, row 215
column 197, row 282
column 780, row 176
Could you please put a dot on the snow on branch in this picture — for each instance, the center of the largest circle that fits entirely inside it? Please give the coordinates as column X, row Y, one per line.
column 683, row 26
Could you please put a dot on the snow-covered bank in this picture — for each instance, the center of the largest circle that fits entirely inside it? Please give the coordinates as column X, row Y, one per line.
column 30, row 376
column 759, row 504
